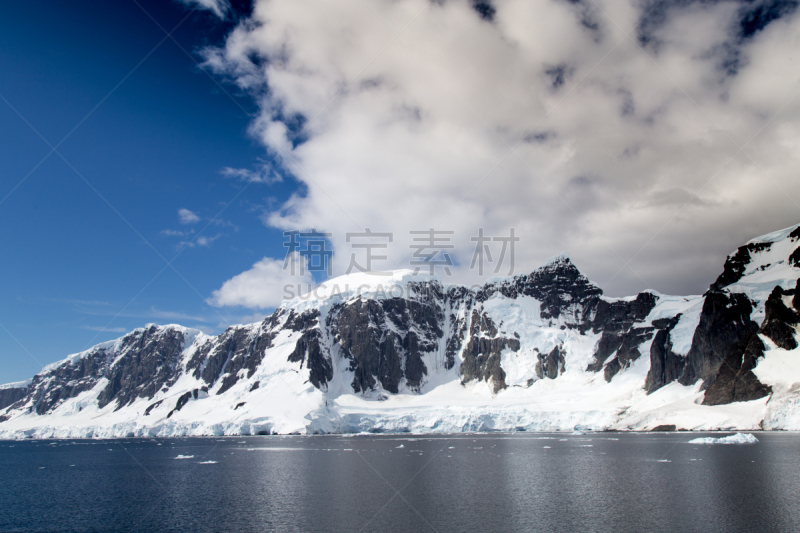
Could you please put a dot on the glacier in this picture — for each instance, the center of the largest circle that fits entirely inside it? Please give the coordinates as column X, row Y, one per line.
column 407, row 353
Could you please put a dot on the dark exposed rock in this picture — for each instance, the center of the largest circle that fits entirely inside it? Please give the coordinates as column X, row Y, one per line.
column 616, row 322
column 666, row 323
column 254, row 386
column 796, row 298
column 560, row 287
column 724, row 322
column 308, row 351
column 144, row 362
column 736, row 382
column 385, row 339
column 482, row 354
column 794, row 259
column 665, row 365
column 458, row 298
column 608, row 344
column 551, row 364
column 625, row 344
column 795, row 234
column 619, row 316
column 148, row 362
column 238, row 405
column 152, row 406
column 11, row 395
column 302, row 321
column 665, row 427
column 737, row 263
column 364, row 342
column 779, row 320
column 238, row 349
column 183, row 399
column 628, row 351
column 482, row 361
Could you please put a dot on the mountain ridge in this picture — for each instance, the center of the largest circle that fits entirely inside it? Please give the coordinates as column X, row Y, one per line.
column 538, row 351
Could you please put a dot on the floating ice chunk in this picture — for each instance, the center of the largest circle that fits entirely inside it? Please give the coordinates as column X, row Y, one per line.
column 739, row 438
column 207, row 463
column 401, row 446
column 185, row 457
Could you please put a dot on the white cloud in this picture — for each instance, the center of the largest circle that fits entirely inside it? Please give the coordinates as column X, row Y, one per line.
column 263, row 174
column 101, row 328
column 554, row 119
column 263, row 286
column 202, row 240
column 218, row 7
column 187, row 217
column 176, row 233
column 206, row 241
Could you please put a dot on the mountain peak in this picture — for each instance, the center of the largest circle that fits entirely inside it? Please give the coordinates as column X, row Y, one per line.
column 561, row 258
column 777, row 236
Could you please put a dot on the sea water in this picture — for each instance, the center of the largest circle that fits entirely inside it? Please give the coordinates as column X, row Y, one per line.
column 445, row 483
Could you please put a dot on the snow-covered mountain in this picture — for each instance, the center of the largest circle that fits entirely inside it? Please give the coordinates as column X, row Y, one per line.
column 407, row 353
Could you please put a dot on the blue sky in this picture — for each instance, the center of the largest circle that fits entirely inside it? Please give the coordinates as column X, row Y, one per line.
column 83, row 237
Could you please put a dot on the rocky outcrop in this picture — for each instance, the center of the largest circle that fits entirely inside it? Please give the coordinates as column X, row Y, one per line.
column 309, row 352
column 736, row 381
column 616, row 321
column 665, row 365
column 481, row 357
column 724, row 323
column 628, row 350
column 780, row 321
column 147, row 362
column 618, row 316
column 736, row 264
column 565, row 294
column 136, row 366
column 550, row 365
column 385, row 339
column 10, row 395
column 239, row 350
column 794, row 259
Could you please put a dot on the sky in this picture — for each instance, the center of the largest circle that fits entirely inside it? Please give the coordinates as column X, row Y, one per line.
column 155, row 152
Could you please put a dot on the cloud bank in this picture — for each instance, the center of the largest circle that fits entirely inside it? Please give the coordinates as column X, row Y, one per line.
column 648, row 139
column 264, row 285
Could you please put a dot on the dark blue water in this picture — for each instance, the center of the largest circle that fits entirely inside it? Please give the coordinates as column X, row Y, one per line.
column 570, row 483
